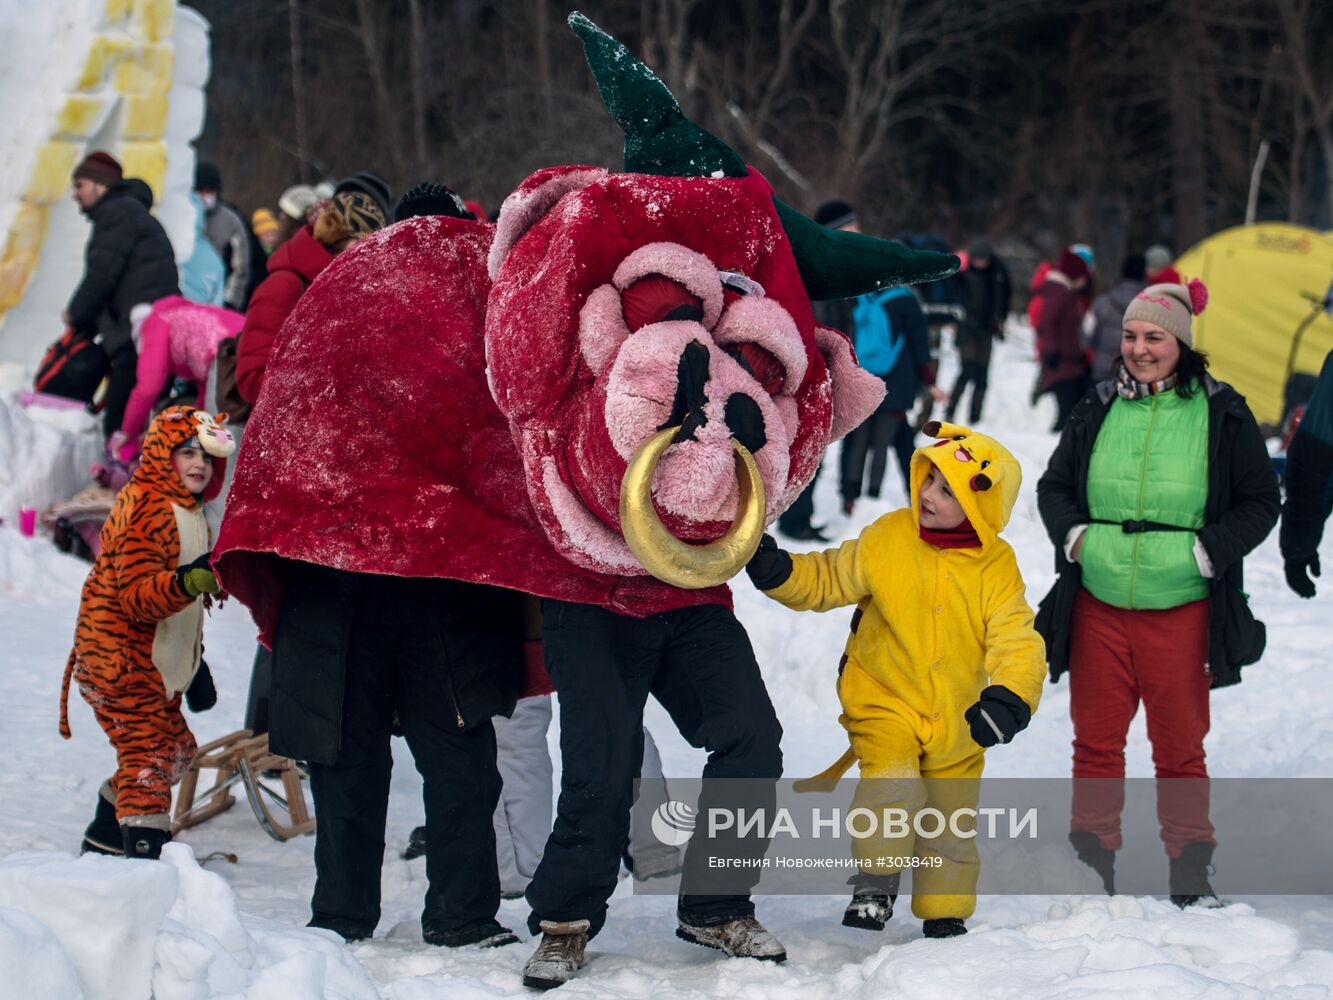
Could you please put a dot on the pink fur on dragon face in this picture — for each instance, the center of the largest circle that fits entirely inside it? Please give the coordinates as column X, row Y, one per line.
column 567, row 245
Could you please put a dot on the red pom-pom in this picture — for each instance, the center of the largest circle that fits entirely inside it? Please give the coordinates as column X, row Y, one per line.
column 1198, row 295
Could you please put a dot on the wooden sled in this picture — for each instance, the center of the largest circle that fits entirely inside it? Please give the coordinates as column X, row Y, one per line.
column 243, row 759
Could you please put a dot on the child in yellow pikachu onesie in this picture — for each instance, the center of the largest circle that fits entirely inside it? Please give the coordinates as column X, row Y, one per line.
column 942, row 662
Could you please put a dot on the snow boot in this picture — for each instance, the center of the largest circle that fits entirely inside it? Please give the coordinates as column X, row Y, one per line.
column 143, row 842
column 416, row 844
column 483, row 934
column 348, row 930
column 559, row 956
column 1188, row 876
column 744, row 937
column 872, row 902
column 1100, row 859
column 103, row 834
column 944, row 927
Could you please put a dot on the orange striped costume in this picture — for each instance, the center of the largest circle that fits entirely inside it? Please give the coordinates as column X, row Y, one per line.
column 138, row 637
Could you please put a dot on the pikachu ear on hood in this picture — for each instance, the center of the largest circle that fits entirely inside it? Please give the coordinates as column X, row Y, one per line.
column 984, row 475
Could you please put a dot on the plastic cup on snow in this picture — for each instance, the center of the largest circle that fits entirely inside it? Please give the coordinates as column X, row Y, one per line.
column 28, row 521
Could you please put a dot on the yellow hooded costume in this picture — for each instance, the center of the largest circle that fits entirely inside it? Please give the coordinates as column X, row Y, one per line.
column 933, row 628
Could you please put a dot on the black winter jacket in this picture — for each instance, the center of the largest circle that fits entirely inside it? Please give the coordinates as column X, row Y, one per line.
column 474, row 633
column 986, row 293
column 1241, row 510
column 128, row 260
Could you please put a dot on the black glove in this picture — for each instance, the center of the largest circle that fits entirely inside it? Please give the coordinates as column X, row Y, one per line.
column 770, row 566
column 1297, row 579
column 197, row 577
column 201, row 695
column 998, row 716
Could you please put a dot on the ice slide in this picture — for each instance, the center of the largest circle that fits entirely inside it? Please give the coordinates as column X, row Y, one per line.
column 126, row 76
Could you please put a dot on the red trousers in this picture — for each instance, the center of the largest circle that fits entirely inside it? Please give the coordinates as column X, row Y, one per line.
column 1118, row 658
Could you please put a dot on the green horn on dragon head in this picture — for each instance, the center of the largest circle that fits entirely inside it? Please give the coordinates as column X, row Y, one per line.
column 660, row 140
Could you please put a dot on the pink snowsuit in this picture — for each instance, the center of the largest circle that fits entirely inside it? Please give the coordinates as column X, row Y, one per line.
column 178, row 338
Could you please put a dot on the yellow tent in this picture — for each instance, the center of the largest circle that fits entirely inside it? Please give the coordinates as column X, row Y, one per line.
column 1261, row 280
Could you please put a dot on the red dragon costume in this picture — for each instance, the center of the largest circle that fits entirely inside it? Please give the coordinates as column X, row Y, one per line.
column 452, row 399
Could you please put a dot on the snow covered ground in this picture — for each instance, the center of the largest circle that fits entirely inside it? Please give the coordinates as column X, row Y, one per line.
column 100, row 928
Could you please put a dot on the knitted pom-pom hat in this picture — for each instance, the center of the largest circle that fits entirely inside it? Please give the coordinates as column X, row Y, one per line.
column 1171, row 307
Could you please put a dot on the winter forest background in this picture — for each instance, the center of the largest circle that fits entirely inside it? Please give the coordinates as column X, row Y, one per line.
column 1115, row 122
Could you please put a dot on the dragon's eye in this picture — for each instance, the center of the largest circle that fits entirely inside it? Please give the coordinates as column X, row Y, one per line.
column 654, row 298
column 766, row 369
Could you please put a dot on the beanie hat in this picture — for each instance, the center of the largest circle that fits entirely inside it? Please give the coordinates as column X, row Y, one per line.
column 835, row 214
column 297, row 200
column 430, row 199
column 263, row 221
column 370, row 183
column 982, row 473
column 207, row 177
column 1170, row 307
column 350, row 214
column 980, row 247
column 100, row 168
column 1156, row 257
column 1085, row 251
column 1071, row 265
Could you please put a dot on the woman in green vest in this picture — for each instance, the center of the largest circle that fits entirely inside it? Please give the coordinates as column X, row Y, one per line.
column 1160, row 485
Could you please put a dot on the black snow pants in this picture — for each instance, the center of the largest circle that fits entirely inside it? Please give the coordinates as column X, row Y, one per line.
column 698, row 663
column 396, row 662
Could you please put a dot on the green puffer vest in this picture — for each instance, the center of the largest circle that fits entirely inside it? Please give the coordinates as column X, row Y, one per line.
column 1150, row 463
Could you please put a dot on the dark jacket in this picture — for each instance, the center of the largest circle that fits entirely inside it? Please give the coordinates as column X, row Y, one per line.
column 476, row 633
column 1059, row 319
column 1310, row 473
column 834, row 313
column 914, row 367
column 985, row 300
column 291, row 269
column 1241, row 510
column 128, row 260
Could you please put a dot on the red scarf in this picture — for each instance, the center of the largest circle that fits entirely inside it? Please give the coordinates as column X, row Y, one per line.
column 962, row 537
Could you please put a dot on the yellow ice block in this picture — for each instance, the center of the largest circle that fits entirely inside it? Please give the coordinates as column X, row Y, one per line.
column 80, row 115
column 145, row 160
column 152, row 20
column 15, row 273
column 116, row 10
column 147, row 70
column 145, row 116
column 102, row 53
column 51, row 170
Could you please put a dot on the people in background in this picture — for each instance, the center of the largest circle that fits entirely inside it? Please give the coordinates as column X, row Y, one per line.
column 128, row 261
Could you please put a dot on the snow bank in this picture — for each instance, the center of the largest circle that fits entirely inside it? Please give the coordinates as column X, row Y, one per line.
column 44, row 453
column 107, row 929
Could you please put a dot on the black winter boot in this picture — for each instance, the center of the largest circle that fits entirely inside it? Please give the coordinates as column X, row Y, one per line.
column 1188, row 876
column 872, row 902
column 1100, row 859
column 144, row 842
column 483, row 934
column 103, row 834
column 944, row 927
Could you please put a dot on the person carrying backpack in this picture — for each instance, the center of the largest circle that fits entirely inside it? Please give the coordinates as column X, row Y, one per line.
column 891, row 340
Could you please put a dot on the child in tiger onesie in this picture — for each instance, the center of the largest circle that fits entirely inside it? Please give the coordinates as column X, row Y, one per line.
column 139, row 635
column 943, row 662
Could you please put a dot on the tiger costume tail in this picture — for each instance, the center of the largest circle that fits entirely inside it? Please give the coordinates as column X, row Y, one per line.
column 64, row 696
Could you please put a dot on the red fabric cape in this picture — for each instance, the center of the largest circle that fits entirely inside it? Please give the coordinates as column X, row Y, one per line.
column 376, row 447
